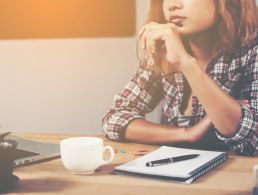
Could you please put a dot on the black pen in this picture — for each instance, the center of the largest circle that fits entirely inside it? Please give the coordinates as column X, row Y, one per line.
column 171, row 160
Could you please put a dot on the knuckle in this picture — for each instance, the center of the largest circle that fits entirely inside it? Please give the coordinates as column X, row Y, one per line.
column 152, row 23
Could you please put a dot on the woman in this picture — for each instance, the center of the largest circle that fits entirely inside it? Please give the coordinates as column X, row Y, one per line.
column 203, row 63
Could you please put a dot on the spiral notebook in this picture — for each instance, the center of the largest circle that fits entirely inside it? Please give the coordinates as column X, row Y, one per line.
column 184, row 171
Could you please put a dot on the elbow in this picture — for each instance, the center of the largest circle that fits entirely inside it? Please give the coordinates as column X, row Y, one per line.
column 110, row 133
column 107, row 127
column 111, row 130
column 229, row 130
column 230, row 126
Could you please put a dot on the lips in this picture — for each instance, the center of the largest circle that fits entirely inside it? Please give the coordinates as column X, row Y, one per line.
column 177, row 20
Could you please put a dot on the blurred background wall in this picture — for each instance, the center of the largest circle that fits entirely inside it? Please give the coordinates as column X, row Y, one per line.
column 64, row 85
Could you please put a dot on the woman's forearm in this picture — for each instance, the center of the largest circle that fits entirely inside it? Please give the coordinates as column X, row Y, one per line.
column 143, row 131
column 223, row 110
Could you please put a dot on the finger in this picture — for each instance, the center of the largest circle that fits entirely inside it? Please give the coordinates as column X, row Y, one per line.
column 172, row 26
column 144, row 35
column 146, row 30
column 154, row 41
column 143, row 39
column 151, row 42
column 143, row 28
column 150, row 45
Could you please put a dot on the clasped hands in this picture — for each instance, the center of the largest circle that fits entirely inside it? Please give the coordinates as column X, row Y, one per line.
column 164, row 40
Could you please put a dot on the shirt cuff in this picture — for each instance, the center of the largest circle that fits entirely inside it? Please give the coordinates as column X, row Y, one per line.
column 245, row 138
column 115, row 127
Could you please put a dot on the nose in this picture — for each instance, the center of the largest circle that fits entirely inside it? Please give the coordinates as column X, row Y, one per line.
column 172, row 6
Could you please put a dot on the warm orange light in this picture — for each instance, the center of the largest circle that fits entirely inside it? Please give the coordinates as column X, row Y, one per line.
column 66, row 18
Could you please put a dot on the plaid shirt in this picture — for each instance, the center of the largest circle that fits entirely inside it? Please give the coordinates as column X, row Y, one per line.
column 236, row 73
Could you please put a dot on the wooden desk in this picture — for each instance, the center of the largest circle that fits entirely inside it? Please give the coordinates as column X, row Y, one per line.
column 235, row 176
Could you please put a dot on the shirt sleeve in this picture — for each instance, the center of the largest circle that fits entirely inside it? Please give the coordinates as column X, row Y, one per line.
column 245, row 141
column 140, row 96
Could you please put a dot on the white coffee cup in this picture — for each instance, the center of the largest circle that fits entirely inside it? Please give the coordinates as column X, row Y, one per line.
column 83, row 155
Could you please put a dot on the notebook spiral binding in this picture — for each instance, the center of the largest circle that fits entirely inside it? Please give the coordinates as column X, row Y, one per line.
column 206, row 168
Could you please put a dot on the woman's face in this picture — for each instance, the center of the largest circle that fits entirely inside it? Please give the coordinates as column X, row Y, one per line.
column 190, row 16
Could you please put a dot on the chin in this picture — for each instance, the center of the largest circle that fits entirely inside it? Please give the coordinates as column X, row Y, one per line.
column 183, row 31
column 187, row 32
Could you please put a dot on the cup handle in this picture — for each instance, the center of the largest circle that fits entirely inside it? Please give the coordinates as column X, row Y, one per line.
column 112, row 154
